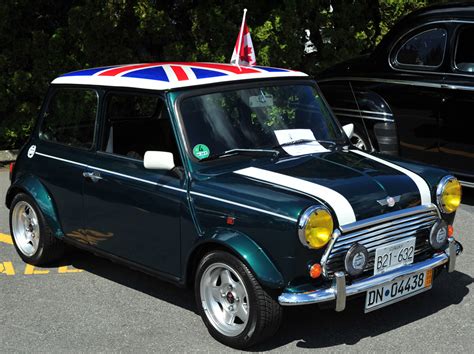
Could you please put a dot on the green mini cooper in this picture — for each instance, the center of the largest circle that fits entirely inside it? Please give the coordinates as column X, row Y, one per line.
column 237, row 181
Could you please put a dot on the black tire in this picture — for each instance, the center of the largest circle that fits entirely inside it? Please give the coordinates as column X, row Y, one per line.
column 264, row 315
column 359, row 138
column 49, row 247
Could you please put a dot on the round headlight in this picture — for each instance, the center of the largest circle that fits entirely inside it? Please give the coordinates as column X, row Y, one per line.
column 448, row 194
column 315, row 227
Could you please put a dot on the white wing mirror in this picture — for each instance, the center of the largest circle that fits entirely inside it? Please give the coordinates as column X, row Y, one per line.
column 348, row 129
column 158, row 160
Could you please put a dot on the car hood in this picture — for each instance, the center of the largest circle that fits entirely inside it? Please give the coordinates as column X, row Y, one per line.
column 354, row 184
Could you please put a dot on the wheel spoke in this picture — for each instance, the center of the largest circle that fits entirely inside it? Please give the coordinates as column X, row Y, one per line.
column 242, row 312
column 34, row 242
column 226, row 278
column 216, row 294
column 229, row 317
column 239, row 290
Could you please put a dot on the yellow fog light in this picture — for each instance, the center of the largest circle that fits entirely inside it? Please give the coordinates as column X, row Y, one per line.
column 448, row 194
column 315, row 227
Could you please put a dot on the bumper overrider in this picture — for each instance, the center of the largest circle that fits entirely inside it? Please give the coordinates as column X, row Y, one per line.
column 339, row 291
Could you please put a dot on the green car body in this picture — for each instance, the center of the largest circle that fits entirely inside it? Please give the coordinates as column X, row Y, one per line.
column 164, row 222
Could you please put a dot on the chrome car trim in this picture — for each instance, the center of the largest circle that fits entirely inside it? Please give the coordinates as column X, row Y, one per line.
column 395, row 228
column 424, row 72
column 400, row 82
column 452, row 251
column 363, row 111
column 363, row 116
column 327, row 252
column 340, row 292
column 389, row 81
column 340, row 286
column 408, row 67
column 467, row 184
column 387, row 217
column 439, row 190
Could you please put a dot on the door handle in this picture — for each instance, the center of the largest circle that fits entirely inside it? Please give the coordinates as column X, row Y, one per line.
column 94, row 176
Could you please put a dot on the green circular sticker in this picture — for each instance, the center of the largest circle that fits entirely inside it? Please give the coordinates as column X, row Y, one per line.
column 201, row 151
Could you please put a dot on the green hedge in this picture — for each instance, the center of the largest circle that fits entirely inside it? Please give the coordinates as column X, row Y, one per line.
column 41, row 39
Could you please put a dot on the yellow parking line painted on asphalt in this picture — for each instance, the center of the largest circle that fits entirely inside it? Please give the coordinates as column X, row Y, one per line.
column 7, row 268
column 6, row 239
column 30, row 269
column 66, row 269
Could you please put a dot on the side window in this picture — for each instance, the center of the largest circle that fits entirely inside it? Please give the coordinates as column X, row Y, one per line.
column 464, row 57
column 70, row 117
column 425, row 49
column 136, row 123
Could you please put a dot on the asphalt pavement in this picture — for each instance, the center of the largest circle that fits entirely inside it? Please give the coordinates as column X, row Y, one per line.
column 88, row 304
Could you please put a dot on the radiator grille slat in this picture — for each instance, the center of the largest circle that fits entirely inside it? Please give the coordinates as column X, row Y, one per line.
column 417, row 222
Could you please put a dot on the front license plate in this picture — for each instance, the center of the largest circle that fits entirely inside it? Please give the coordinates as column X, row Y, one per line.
column 394, row 255
column 398, row 290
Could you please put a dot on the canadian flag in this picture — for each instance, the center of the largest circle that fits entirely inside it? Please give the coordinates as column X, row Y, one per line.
column 244, row 53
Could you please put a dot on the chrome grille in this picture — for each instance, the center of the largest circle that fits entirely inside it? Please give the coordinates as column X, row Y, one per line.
column 379, row 231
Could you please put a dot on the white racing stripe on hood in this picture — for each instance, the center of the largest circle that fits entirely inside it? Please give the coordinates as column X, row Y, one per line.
column 340, row 205
column 423, row 187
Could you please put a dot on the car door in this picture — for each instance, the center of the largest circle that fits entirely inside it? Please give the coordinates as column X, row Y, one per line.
column 62, row 149
column 457, row 117
column 412, row 89
column 131, row 212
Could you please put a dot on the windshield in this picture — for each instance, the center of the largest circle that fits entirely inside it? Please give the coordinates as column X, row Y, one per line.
column 266, row 117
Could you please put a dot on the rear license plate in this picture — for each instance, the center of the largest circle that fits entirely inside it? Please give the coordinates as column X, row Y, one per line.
column 397, row 290
column 394, row 255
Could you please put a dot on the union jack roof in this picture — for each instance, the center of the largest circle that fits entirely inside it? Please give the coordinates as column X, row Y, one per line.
column 164, row 76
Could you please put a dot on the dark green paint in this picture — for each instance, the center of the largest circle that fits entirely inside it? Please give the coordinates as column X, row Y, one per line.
column 264, row 269
column 31, row 185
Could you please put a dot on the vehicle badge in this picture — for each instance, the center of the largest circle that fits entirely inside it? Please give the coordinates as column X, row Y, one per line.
column 389, row 201
column 31, row 151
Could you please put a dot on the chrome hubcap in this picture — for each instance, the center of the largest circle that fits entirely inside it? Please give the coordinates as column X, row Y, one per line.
column 224, row 299
column 25, row 228
column 358, row 142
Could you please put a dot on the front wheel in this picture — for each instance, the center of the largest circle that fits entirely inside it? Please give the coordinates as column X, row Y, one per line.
column 32, row 237
column 237, row 311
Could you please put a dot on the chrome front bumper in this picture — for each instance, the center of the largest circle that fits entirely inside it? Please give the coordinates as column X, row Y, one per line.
column 339, row 291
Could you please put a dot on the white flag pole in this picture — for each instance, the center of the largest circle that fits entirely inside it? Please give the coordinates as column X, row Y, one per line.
column 240, row 37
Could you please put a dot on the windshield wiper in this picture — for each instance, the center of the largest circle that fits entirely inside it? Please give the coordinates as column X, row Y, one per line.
column 244, row 152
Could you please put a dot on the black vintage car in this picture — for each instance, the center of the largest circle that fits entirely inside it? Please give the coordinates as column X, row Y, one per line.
column 413, row 96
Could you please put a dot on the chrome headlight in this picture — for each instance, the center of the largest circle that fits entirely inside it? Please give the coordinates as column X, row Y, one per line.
column 448, row 194
column 315, row 227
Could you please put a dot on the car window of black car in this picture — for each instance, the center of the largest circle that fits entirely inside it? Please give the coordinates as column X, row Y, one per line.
column 464, row 56
column 425, row 49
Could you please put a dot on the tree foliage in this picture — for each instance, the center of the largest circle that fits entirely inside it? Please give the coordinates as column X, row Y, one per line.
column 41, row 39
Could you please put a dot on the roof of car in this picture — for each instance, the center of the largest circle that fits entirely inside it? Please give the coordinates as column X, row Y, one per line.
column 164, row 76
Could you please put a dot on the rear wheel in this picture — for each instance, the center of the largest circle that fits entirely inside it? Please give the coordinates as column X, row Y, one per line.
column 236, row 310
column 32, row 237
column 359, row 139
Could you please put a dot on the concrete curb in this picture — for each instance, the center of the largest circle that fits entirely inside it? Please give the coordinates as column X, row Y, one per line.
column 8, row 155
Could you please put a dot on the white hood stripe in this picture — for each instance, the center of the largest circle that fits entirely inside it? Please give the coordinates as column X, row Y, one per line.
column 423, row 187
column 340, row 205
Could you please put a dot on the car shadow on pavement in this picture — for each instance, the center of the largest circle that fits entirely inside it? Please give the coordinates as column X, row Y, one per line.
column 130, row 278
column 309, row 326
column 312, row 327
